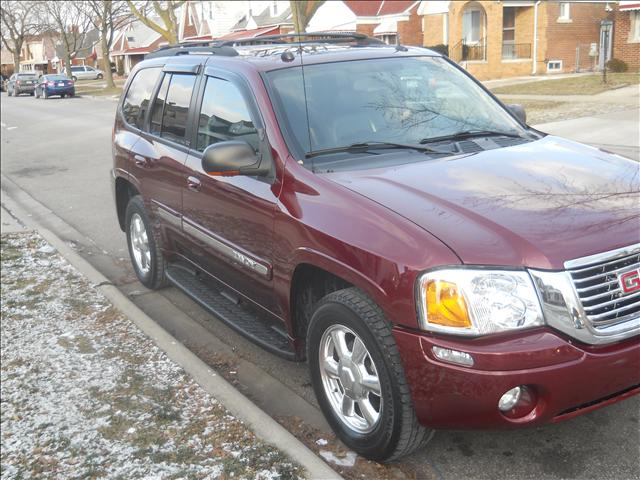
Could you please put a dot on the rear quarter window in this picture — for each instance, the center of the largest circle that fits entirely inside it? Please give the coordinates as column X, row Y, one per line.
column 136, row 102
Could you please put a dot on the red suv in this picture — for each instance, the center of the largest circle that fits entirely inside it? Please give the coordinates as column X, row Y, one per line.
column 376, row 211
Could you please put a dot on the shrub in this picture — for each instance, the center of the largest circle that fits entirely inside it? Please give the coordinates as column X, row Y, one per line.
column 442, row 49
column 617, row 65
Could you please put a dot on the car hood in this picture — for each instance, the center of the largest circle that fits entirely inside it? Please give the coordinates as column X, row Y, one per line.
column 537, row 204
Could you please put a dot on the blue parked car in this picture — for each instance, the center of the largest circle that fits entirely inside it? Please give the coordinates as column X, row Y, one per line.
column 57, row 84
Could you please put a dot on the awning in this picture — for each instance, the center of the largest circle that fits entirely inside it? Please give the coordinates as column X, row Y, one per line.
column 627, row 5
column 256, row 32
column 386, row 27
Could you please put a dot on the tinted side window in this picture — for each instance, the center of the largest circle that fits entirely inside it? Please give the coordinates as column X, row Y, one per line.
column 176, row 109
column 224, row 115
column 76, row 69
column 138, row 96
column 158, row 106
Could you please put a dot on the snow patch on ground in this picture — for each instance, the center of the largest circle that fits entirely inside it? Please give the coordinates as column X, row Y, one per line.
column 85, row 394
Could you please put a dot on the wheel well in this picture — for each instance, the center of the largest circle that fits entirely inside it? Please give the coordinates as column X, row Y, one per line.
column 308, row 285
column 124, row 192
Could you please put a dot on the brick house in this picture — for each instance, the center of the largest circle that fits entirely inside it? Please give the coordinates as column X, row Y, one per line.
column 626, row 33
column 519, row 37
column 206, row 20
column 274, row 19
column 132, row 43
column 389, row 21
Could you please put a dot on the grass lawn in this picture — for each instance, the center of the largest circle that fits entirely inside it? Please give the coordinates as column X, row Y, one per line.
column 97, row 91
column 579, row 85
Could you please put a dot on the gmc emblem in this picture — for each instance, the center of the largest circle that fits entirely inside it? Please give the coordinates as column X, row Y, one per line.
column 629, row 281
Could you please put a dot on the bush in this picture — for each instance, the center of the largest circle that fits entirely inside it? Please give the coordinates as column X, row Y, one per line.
column 617, row 66
column 442, row 49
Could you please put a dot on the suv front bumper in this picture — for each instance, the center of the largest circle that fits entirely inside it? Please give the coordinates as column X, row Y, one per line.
column 567, row 379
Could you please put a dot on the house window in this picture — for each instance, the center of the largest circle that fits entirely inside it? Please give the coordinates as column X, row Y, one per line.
column 554, row 66
column 565, row 14
column 389, row 38
column 508, row 32
column 472, row 25
column 635, row 26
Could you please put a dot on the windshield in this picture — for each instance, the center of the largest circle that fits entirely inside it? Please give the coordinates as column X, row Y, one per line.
column 402, row 100
column 56, row 77
column 27, row 76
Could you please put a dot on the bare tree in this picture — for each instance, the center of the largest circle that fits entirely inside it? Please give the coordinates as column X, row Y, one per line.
column 302, row 12
column 166, row 11
column 19, row 21
column 71, row 21
column 107, row 16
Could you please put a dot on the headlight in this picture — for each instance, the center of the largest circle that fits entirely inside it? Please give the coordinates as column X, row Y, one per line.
column 477, row 301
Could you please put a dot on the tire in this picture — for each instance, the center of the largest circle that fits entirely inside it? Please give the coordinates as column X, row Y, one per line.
column 62, row 95
column 32, row 94
column 45, row 95
column 396, row 431
column 37, row 94
column 75, row 79
column 100, row 76
column 153, row 278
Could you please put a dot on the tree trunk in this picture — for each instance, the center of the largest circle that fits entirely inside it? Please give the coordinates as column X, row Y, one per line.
column 17, row 49
column 106, row 64
column 67, row 66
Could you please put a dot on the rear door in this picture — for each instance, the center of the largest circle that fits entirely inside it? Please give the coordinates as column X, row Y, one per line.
column 160, row 153
column 229, row 220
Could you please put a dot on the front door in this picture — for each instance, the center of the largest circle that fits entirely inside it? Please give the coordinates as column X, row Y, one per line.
column 230, row 219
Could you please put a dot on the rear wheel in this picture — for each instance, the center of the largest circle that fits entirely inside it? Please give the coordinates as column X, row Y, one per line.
column 100, row 76
column 144, row 246
column 62, row 95
column 358, row 378
column 74, row 78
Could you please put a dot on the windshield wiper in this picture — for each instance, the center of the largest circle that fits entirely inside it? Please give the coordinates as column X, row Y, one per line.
column 367, row 146
column 469, row 134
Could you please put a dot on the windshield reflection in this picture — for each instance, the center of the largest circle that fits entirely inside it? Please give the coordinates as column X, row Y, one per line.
column 402, row 100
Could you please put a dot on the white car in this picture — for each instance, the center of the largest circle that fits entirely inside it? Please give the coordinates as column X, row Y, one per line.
column 82, row 72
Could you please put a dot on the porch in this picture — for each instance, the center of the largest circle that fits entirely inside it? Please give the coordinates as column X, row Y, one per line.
column 493, row 39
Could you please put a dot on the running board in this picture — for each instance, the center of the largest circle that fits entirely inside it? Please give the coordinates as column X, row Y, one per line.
column 231, row 311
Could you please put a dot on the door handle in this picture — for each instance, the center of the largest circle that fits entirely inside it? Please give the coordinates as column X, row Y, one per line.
column 140, row 160
column 194, row 184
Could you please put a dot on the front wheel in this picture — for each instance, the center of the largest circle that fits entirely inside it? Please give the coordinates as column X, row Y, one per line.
column 74, row 78
column 358, row 378
column 144, row 246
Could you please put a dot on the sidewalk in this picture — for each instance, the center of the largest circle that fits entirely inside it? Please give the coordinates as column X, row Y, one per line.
column 504, row 82
column 629, row 95
column 87, row 392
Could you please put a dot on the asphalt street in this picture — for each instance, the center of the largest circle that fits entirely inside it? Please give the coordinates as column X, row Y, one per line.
column 56, row 157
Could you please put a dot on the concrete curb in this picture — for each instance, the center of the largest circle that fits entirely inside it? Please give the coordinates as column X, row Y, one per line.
column 240, row 406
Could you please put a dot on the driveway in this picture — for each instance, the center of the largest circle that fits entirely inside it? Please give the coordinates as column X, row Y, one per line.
column 59, row 153
column 618, row 132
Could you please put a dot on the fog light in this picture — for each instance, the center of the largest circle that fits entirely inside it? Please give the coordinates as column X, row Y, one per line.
column 509, row 399
column 453, row 356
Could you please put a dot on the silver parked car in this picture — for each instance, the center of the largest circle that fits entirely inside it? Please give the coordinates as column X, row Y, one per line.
column 83, row 72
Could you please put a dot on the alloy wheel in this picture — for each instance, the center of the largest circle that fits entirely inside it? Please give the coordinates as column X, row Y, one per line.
column 140, row 244
column 350, row 379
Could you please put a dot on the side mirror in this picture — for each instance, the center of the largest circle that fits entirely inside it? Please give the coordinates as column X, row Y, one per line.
column 231, row 158
column 518, row 111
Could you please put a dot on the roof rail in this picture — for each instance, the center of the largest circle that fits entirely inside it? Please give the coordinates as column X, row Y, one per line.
column 312, row 37
column 203, row 48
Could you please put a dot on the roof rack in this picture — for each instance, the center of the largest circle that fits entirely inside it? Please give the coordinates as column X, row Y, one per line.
column 312, row 37
column 225, row 48
column 203, row 48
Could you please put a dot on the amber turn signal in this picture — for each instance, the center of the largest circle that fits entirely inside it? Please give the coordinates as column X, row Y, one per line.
column 446, row 305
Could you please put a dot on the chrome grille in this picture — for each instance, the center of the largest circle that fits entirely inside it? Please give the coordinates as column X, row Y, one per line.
column 598, row 287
